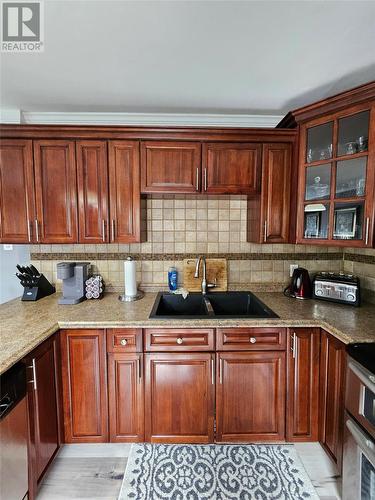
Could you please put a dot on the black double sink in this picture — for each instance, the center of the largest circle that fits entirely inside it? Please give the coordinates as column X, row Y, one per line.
column 218, row 305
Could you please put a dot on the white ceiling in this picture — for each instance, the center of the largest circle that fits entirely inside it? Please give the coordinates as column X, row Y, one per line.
column 192, row 56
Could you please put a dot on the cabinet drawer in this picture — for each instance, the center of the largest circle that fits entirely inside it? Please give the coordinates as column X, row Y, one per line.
column 179, row 339
column 124, row 340
column 250, row 339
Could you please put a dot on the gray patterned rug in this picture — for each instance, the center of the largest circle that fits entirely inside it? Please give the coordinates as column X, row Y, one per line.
column 215, row 472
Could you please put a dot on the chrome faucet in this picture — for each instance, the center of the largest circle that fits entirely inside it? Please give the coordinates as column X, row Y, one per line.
column 204, row 285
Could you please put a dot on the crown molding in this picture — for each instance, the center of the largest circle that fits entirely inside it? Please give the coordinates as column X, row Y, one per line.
column 10, row 115
column 150, row 119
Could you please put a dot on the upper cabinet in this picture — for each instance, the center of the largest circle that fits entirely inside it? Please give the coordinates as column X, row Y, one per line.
column 92, row 176
column 337, row 179
column 124, row 192
column 17, row 200
column 56, row 191
column 231, row 168
column 170, row 166
column 269, row 218
column 337, row 169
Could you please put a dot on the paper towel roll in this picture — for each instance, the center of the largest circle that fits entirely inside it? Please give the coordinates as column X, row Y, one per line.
column 130, row 271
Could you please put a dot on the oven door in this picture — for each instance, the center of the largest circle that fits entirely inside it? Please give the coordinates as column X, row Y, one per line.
column 358, row 463
column 360, row 395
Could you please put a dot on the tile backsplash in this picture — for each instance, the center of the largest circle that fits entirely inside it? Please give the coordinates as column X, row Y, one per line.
column 181, row 226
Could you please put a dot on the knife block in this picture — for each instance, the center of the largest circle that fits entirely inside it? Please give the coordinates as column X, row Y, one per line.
column 42, row 289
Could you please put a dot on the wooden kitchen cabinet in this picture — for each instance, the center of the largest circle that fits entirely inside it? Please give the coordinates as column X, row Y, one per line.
column 17, row 195
column 55, row 191
column 179, row 397
column 170, row 167
column 84, row 377
column 332, row 393
column 269, row 217
column 250, row 396
column 92, row 177
column 336, row 175
column 125, row 392
column 124, row 192
column 44, row 406
column 231, row 168
column 302, row 384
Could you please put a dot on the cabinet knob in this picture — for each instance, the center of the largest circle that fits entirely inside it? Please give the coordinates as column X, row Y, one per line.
column 252, row 340
column 123, row 341
column 179, row 341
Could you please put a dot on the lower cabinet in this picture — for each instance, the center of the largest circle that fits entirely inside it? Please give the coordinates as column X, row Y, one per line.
column 179, row 397
column 250, row 396
column 332, row 390
column 125, row 397
column 83, row 359
column 303, row 384
column 44, row 405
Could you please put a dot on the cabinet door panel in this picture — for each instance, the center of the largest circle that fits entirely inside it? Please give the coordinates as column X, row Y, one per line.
column 124, row 191
column 56, row 191
column 303, row 389
column 179, row 398
column 250, row 396
column 125, row 390
column 17, row 199
column 276, row 185
column 44, row 408
column 84, row 385
column 231, row 168
column 170, row 166
column 92, row 178
column 332, row 383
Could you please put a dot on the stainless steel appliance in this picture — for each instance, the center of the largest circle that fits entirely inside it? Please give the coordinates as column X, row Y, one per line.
column 343, row 288
column 359, row 433
column 73, row 276
column 13, row 434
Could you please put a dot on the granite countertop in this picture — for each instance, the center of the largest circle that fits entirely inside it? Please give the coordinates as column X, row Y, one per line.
column 24, row 325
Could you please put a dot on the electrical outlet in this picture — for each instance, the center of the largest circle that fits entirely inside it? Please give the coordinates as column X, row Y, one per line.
column 292, row 267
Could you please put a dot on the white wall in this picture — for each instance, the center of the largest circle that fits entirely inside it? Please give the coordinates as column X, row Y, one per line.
column 10, row 287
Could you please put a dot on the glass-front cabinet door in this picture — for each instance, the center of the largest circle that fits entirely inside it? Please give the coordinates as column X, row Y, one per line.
column 337, row 160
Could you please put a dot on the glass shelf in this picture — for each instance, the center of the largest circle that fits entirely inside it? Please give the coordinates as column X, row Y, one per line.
column 316, row 221
column 351, row 178
column 353, row 134
column 348, row 221
column 319, row 142
column 318, row 182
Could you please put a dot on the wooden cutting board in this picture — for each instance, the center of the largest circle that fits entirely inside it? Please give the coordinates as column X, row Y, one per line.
column 215, row 268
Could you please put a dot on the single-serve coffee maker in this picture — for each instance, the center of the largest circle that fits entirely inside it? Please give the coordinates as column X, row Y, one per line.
column 73, row 276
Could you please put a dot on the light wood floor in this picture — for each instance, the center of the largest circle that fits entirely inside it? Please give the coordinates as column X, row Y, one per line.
column 95, row 472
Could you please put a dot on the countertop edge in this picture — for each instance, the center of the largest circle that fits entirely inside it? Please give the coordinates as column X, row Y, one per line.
column 30, row 346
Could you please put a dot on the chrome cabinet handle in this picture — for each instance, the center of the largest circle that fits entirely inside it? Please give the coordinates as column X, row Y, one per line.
column 179, row 341
column 139, row 368
column 29, row 230
column 252, row 340
column 32, row 367
column 197, row 180
column 367, row 230
column 123, row 341
column 103, row 230
column 113, row 229
column 212, row 372
column 221, row 371
column 294, row 345
column 37, row 230
column 265, row 231
column 205, row 179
